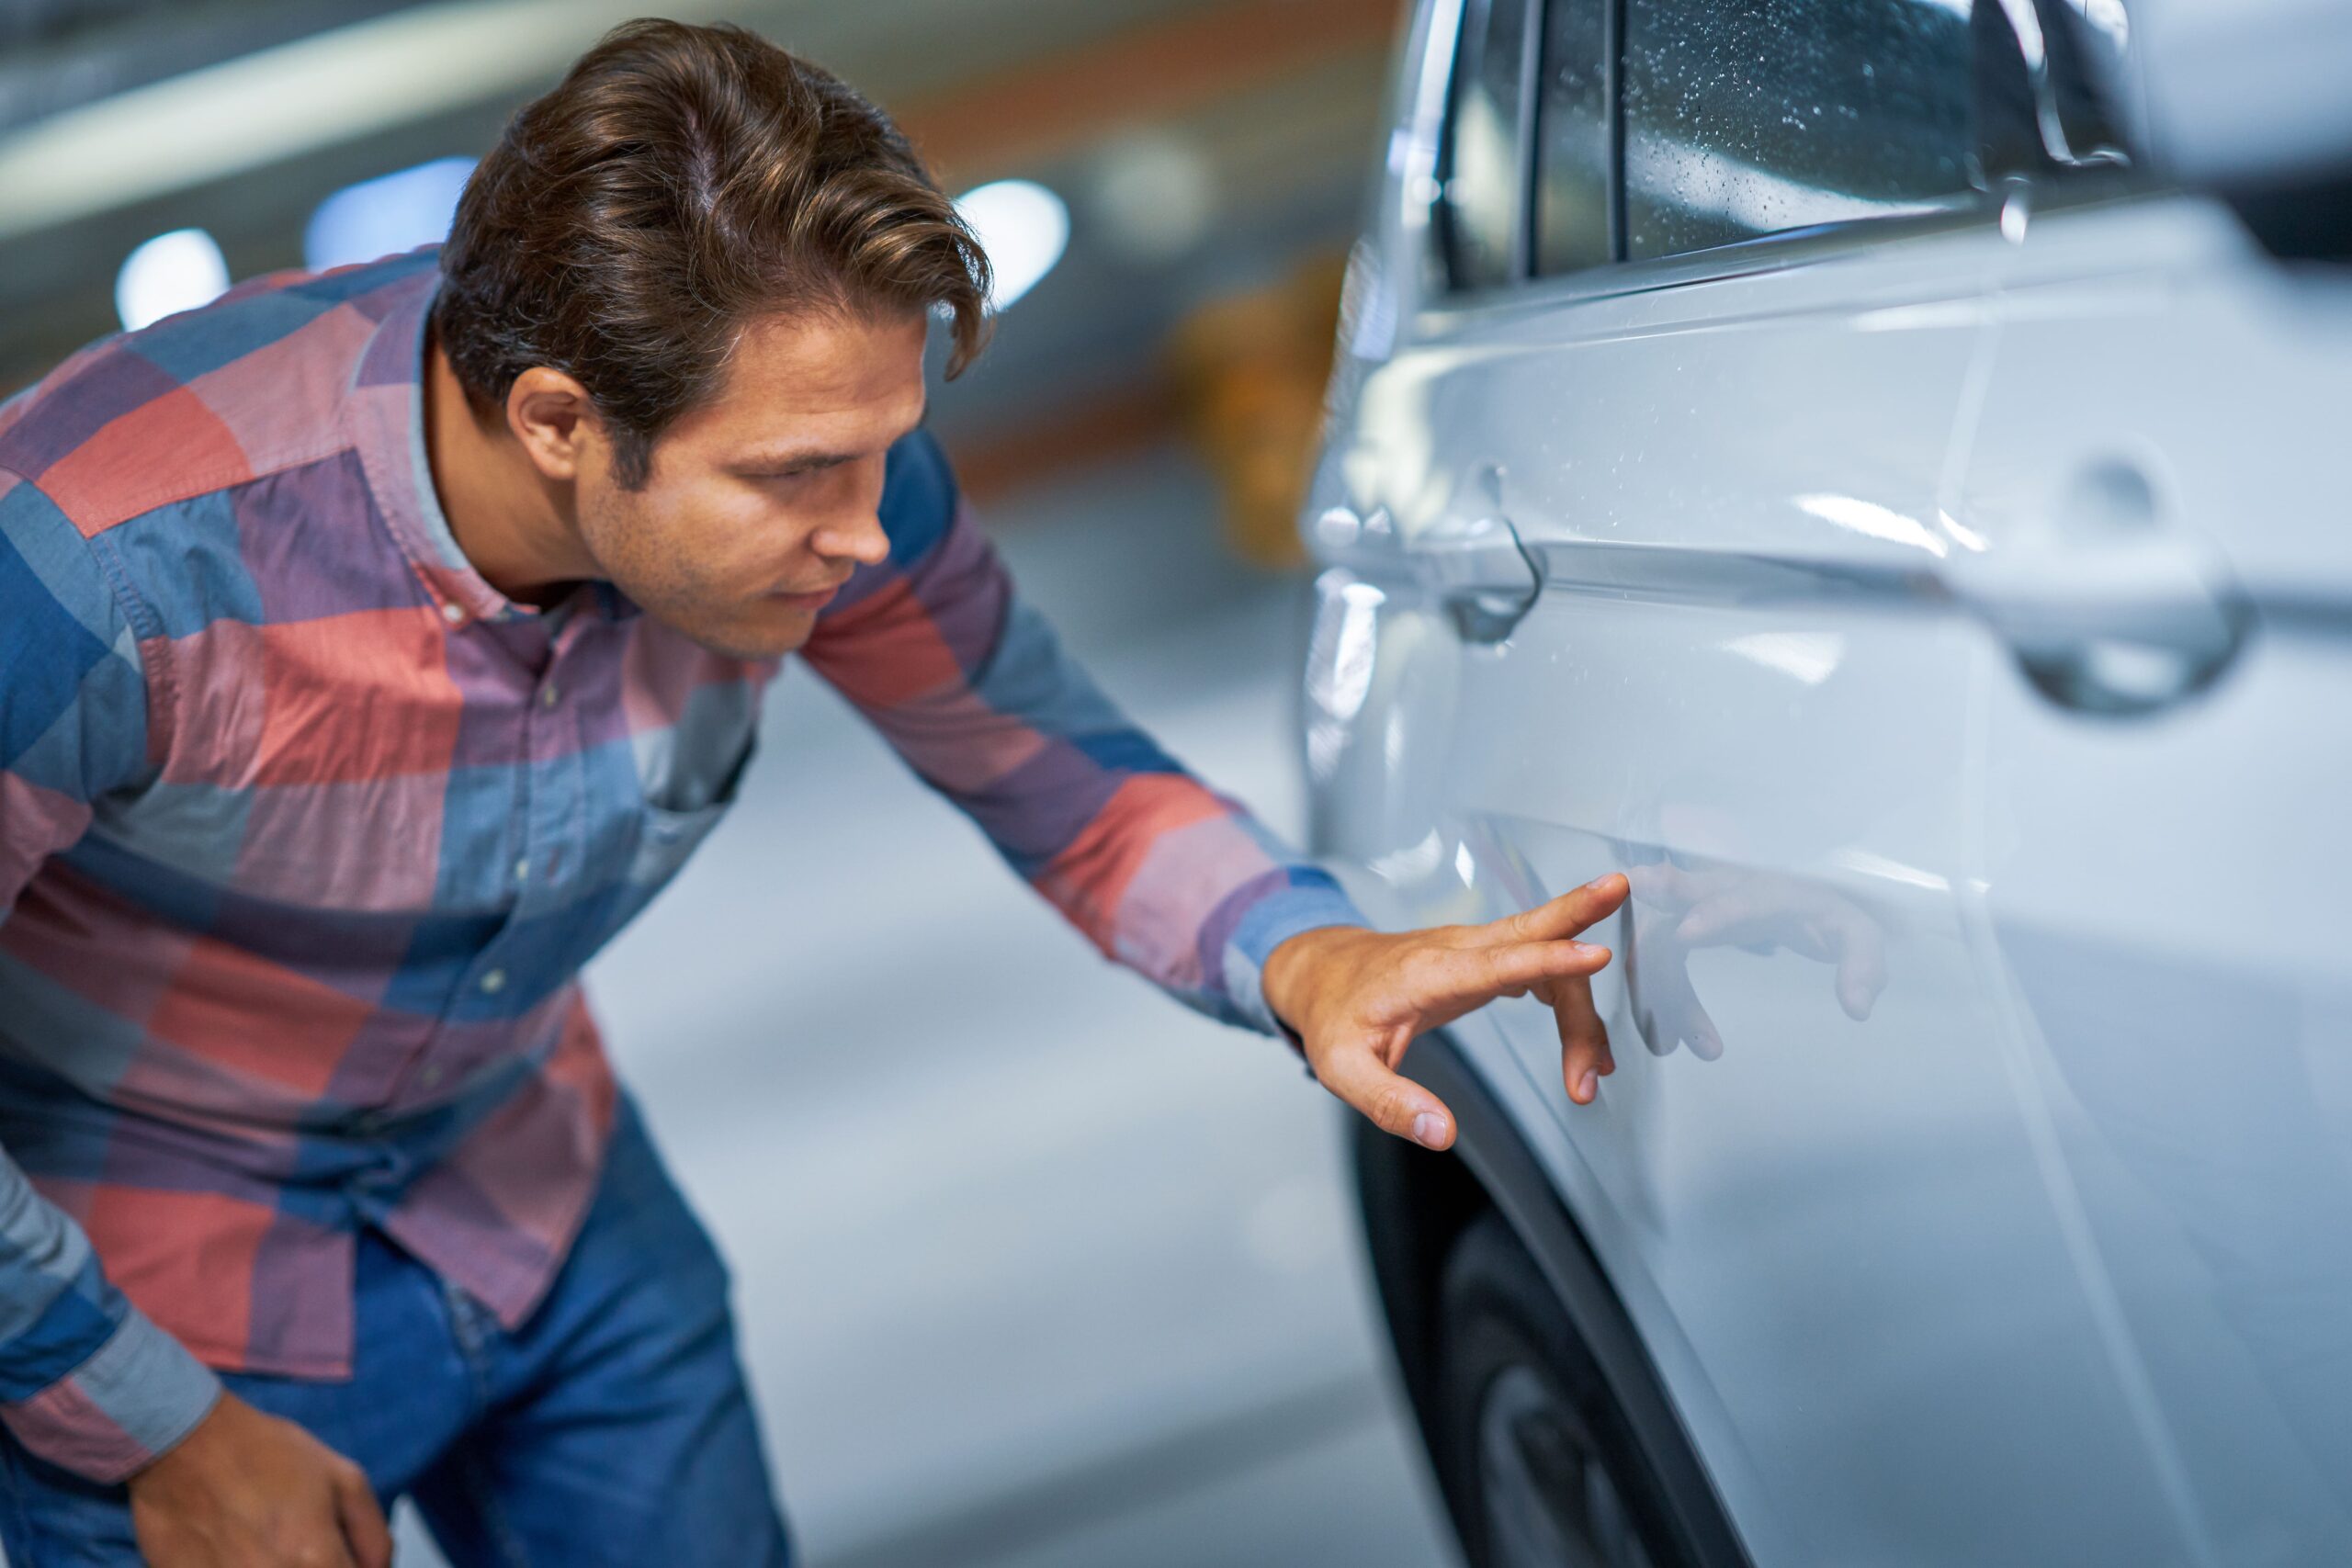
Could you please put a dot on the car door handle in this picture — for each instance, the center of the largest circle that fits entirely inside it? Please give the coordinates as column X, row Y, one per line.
column 2105, row 611
column 2137, row 634
column 1480, row 571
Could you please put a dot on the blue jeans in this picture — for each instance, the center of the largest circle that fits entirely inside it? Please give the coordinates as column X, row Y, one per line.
column 613, row 1428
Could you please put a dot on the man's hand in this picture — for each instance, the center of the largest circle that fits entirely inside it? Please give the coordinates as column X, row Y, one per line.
column 1358, row 998
column 246, row 1490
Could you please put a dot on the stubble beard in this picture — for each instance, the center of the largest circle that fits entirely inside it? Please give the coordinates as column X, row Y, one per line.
column 662, row 586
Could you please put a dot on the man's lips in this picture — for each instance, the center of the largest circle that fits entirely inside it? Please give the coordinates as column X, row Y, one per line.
column 815, row 599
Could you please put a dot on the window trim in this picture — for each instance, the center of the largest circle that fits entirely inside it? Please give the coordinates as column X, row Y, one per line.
column 1519, row 247
column 1782, row 251
column 1437, row 212
column 1612, row 87
column 1521, row 266
column 1612, row 152
column 1786, row 250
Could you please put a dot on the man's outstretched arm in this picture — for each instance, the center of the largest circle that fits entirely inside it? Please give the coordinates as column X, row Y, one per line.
column 1160, row 873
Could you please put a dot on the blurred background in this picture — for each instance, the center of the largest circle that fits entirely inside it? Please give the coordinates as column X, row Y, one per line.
column 1033, row 1267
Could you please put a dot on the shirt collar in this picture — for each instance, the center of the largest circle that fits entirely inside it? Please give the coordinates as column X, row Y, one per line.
column 385, row 412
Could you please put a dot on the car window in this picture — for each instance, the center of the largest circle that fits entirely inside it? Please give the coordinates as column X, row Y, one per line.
column 1572, row 139
column 1478, row 214
column 1748, row 117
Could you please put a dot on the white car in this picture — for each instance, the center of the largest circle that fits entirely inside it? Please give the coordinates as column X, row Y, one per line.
column 1875, row 472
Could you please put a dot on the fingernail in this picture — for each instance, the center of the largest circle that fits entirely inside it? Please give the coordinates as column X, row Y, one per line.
column 1591, row 949
column 1429, row 1130
column 1588, row 1085
column 1599, row 884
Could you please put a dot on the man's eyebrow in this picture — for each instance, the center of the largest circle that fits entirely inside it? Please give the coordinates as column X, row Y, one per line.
column 796, row 457
column 807, row 456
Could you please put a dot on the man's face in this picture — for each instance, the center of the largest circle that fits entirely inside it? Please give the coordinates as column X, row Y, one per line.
column 762, row 500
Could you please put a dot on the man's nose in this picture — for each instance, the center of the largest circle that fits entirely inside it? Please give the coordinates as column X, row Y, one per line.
column 860, row 540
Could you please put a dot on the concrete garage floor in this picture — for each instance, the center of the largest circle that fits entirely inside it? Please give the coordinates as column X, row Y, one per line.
column 1035, row 1269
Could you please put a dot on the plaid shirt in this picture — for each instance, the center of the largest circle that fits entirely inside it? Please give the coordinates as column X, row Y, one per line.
column 306, row 831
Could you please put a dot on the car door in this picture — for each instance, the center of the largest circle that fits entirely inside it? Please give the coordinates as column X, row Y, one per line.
column 2155, row 475
column 1646, row 535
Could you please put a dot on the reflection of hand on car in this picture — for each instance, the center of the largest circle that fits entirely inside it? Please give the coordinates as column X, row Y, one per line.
column 1678, row 910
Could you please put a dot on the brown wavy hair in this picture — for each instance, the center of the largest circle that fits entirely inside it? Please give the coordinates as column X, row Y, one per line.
column 679, row 182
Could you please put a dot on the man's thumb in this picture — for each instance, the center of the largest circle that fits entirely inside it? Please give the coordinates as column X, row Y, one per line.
column 1394, row 1103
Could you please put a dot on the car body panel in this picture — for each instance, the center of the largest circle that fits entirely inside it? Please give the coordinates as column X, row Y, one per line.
column 1736, row 572
column 2162, row 895
column 1808, row 1213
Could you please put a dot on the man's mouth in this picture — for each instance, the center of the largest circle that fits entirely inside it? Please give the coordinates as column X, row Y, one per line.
column 815, row 599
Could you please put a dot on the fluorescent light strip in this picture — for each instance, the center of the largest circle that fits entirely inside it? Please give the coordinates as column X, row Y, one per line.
column 292, row 98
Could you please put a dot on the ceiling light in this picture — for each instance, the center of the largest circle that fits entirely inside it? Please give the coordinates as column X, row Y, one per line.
column 386, row 215
column 171, row 272
column 1024, row 227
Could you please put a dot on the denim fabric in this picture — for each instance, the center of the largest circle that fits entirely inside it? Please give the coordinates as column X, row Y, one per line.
column 612, row 1428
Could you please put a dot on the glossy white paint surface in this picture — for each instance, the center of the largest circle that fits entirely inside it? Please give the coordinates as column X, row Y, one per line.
column 1949, row 637
column 2247, row 87
column 2164, row 908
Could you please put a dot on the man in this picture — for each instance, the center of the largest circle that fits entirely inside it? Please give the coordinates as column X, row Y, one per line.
column 372, row 647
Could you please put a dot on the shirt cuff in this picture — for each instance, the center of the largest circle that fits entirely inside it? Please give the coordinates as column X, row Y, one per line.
column 135, row 1397
column 1311, row 899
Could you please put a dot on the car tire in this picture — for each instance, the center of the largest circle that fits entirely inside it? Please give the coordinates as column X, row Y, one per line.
column 1534, row 1449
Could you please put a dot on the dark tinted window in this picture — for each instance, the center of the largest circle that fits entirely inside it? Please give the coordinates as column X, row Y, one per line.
column 1747, row 116
column 1572, row 139
column 1478, row 216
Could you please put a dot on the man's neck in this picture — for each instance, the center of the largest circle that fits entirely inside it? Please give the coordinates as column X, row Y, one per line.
column 511, row 523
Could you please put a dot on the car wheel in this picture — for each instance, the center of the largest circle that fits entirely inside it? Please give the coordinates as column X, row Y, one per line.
column 1539, row 1454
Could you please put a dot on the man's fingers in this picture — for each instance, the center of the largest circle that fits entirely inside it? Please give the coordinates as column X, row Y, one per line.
column 1464, row 978
column 1565, row 916
column 1394, row 1103
column 1585, row 1058
column 321, row 1544
column 364, row 1530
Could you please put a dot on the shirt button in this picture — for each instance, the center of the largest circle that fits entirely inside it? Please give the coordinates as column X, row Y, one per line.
column 523, row 869
column 494, row 981
column 547, row 695
column 454, row 614
column 428, row 1075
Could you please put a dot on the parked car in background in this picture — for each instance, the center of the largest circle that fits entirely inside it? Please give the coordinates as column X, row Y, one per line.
column 1871, row 471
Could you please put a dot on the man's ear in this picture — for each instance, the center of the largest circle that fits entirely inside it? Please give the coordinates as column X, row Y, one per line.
column 554, row 417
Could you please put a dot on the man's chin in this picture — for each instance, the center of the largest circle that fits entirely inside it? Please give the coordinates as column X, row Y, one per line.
column 772, row 632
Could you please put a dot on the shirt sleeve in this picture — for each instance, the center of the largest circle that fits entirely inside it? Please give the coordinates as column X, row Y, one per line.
column 86, row 1380
column 972, row 688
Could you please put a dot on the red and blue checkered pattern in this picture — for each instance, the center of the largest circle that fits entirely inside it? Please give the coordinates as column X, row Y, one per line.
column 306, row 833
